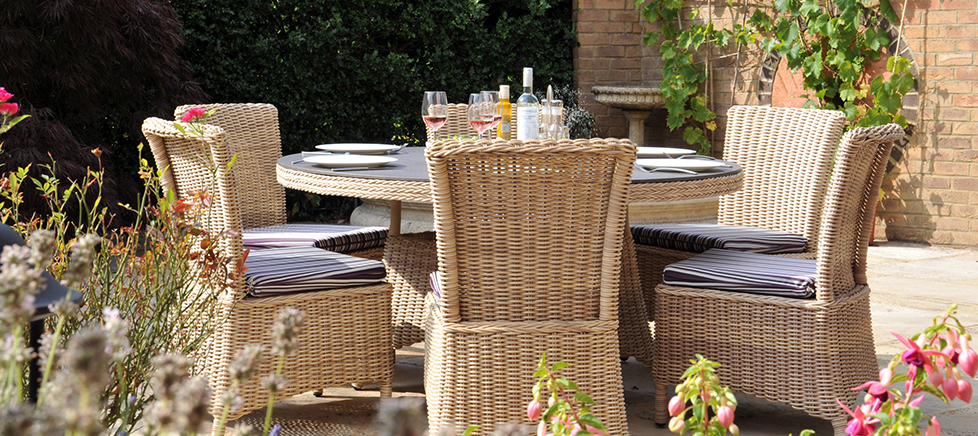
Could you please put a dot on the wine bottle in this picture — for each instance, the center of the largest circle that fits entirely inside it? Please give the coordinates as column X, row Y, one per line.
column 503, row 131
column 527, row 110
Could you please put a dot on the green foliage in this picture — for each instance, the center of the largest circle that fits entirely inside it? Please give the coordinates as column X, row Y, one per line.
column 830, row 45
column 354, row 71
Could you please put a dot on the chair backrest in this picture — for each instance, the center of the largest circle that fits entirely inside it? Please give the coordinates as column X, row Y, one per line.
column 530, row 230
column 787, row 155
column 252, row 129
column 191, row 164
column 850, row 207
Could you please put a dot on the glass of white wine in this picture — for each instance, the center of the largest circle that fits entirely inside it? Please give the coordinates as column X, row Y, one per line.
column 434, row 110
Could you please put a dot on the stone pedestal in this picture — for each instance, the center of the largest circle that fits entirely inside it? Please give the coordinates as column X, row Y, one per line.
column 635, row 101
column 636, row 125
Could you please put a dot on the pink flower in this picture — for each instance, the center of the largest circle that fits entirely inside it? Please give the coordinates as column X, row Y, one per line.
column 879, row 390
column 968, row 361
column 936, row 379
column 725, row 416
column 950, row 387
column 542, row 429
column 4, row 95
column 193, row 115
column 676, row 406
column 8, row 109
column 964, row 391
column 534, row 410
column 933, row 428
column 677, row 424
column 862, row 424
column 917, row 356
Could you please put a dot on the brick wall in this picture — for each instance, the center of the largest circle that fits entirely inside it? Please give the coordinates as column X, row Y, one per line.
column 931, row 191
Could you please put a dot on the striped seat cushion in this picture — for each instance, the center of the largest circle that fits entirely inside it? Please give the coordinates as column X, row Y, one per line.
column 332, row 237
column 284, row 270
column 697, row 238
column 744, row 272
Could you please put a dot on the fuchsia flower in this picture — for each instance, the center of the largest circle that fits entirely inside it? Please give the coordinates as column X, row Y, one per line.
column 725, row 416
column 933, row 428
column 534, row 410
column 964, row 391
column 4, row 95
column 862, row 423
column 879, row 389
column 8, row 109
column 917, row 356
column 193, row 115
column 676, row 406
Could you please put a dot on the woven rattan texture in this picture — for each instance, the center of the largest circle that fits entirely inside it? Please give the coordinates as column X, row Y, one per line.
column 529, row 238
column 348, row 332
column 253, row 129
column 345, row 186
column 410, row 259
column 786, row 154
column 805, row 353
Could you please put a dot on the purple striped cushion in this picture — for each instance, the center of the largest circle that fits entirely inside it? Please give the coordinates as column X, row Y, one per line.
column 435, row 283
column 744, row 272
column 276, row 271
column 332, row 237
column 697, row 238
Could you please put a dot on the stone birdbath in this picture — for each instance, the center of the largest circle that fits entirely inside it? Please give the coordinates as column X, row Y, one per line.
column 636, row 102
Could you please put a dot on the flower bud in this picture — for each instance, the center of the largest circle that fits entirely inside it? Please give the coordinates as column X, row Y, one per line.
column 950, row 388
column 677, row 424
column 886, row 374
column 542, row 429
column 534, row 410
column 551, row 401
column 725, row 416
column 676, row 406
column 935, row 378
column 968, row 361
column 933, row 427
column 734, row 429
column 964, row 391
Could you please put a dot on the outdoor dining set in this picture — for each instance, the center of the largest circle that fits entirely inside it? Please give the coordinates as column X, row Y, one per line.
column 532, row 252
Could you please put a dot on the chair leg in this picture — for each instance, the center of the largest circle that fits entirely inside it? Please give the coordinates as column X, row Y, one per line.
column 386, row 388
column 839, row 426
column 661, row 415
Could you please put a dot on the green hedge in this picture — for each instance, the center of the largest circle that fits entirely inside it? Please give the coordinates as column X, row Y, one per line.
column 354, row 71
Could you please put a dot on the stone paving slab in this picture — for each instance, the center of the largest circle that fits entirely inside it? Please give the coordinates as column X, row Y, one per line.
column 911, row 283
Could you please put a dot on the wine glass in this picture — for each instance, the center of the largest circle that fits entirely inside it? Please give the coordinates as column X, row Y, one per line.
column 480, row 112
column 493, row 98
column 434, row 110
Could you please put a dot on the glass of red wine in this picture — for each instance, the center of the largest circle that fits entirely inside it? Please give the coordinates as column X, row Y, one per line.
column 480, row 112
column 434, row 110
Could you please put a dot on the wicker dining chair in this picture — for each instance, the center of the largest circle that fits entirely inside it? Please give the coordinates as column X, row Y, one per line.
column 786, row 155
column 804, row 352
column 347, row 333
column 529, row 237
column 253, row 129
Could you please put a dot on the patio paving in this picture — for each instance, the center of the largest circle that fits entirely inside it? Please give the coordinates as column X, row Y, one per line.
column 911, row 283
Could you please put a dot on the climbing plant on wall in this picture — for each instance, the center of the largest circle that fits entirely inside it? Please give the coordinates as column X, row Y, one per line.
column 830, row 43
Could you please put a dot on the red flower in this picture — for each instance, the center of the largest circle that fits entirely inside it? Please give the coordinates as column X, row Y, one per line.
column 8, row 109
column 862, row 423
column 4, row 95
column 193, row 115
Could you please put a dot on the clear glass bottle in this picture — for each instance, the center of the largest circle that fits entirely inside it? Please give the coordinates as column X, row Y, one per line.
column 527, row 110
column 503, row 132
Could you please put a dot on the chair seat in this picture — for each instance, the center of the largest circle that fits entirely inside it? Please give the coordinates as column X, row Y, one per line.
column 277, row 271
column 744, row 272
column 697, row 238
column 332, row 237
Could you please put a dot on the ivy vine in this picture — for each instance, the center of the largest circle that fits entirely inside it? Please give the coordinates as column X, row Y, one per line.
column 830, row 42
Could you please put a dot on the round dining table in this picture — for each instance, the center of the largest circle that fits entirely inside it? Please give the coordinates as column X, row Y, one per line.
column 407, row 180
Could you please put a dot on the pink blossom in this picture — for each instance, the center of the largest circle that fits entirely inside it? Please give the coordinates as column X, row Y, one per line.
column 917, row 356
column 676, row 406
column 193, row 115
column 677, row 424
column 936, row 379
column 950, row 387
column 725, row 416
column 879, row 390
column 968, row 361
column 4, row 95
column 862, row 424
column 8, row 109
column 964, row 391
column 542, row 429
column 534, row 410
column 933, row 428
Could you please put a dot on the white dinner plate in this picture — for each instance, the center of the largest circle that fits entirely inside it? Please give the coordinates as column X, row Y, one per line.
column 354, row 148
column 663, row 152
column 349, row 160
column 686, row 164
